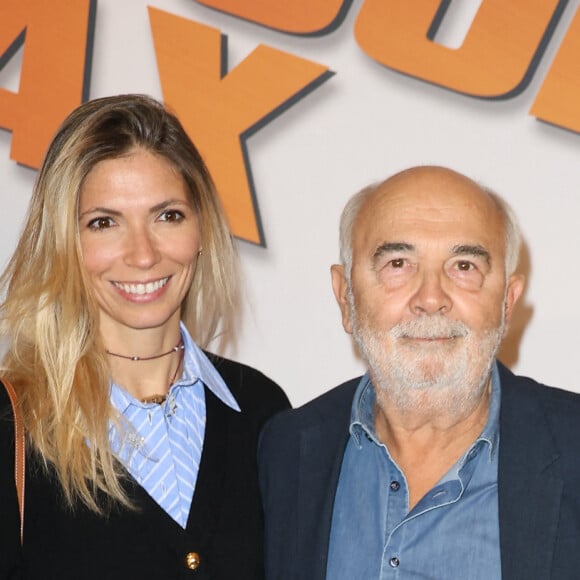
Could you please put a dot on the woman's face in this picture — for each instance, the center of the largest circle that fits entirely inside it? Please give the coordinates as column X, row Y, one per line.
column 140, row 238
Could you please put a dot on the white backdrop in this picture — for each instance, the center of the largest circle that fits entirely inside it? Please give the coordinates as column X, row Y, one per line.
column 363, row 124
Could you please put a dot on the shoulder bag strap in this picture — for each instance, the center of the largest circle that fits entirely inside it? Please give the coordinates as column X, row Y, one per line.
column 19, row 455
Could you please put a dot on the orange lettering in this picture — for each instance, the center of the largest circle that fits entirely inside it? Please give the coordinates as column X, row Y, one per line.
column 497, row 59
column 54, row 69
column 559, row 97
column 220, row 110
column 311, row 17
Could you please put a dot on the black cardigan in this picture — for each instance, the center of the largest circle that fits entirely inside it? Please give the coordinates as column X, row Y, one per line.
column 224, row 525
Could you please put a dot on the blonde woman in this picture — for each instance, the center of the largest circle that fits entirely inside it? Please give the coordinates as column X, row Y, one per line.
column 140, row 445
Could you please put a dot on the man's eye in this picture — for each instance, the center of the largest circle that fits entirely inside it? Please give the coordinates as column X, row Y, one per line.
column 101, row 223
column 171, row 215
column 465, row 266
column 397, row 263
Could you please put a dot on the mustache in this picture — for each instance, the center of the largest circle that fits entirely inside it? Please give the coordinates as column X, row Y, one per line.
column 430, row 327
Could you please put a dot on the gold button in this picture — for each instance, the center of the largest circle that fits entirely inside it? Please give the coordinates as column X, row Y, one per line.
column 192, row 560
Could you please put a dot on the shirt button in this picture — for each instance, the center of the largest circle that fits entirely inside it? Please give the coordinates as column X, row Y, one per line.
column 192, row 560
column 394, row 562
column 395, row 485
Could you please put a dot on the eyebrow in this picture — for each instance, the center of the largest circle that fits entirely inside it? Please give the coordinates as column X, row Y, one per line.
column 472, row 250
column 154, row 209
column 106, row 210
column 459, row 250
column 389, row 247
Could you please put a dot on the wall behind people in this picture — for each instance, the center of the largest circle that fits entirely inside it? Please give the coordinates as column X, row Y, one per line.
column 307, row 102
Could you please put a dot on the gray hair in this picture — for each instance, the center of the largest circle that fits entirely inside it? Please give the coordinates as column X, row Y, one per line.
column 348, row 217
column 512, row 231
column 513, row 235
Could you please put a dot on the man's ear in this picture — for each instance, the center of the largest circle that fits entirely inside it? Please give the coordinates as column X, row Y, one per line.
column 515, row 288
column 340, row 288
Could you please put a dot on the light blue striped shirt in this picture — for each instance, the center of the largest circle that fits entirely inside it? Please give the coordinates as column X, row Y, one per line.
column 161, row 445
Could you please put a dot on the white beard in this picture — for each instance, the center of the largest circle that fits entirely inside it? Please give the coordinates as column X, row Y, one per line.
column 440, row 377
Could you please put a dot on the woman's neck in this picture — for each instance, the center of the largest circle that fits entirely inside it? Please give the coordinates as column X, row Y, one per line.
column 145, row 362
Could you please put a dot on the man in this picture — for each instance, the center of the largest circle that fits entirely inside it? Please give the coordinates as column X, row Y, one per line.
column 439, row 463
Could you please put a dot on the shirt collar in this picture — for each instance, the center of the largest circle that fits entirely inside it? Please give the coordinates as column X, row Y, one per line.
column 362, row 420
column 196, row 367
column 490, row 433
column 362, row 411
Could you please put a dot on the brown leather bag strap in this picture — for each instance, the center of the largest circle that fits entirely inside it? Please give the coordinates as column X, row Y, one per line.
column 19, row 455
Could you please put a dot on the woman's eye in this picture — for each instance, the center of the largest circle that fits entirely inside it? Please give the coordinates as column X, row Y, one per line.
column 101, row 223
column 171, row 215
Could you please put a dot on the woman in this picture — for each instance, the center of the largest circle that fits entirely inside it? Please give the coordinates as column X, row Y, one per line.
column 140, row 446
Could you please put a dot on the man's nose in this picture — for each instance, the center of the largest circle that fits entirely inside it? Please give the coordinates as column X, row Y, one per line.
column 430, row 296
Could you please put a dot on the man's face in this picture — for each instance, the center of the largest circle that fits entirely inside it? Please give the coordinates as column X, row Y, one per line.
column 428, row 296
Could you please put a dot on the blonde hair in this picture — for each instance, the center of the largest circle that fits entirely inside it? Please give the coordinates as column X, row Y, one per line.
column 49, row 318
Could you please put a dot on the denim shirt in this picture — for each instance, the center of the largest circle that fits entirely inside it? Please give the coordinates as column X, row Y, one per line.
column 451, row 534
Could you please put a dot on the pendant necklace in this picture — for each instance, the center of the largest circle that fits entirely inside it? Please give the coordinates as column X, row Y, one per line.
column 179, row 347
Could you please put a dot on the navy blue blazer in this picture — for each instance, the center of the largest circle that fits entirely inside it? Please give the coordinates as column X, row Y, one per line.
column 300, row 456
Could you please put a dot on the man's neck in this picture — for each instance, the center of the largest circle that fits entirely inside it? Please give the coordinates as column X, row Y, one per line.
column 427, row 440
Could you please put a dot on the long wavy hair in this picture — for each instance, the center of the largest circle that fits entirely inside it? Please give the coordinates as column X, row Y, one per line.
column 49, row 317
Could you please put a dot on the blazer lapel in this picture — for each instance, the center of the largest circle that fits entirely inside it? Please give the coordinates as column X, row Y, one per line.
column 321, row 451
column 529, row 483
column 206, row 502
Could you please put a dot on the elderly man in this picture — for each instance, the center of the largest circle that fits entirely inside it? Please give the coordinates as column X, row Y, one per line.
column 439, row 463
